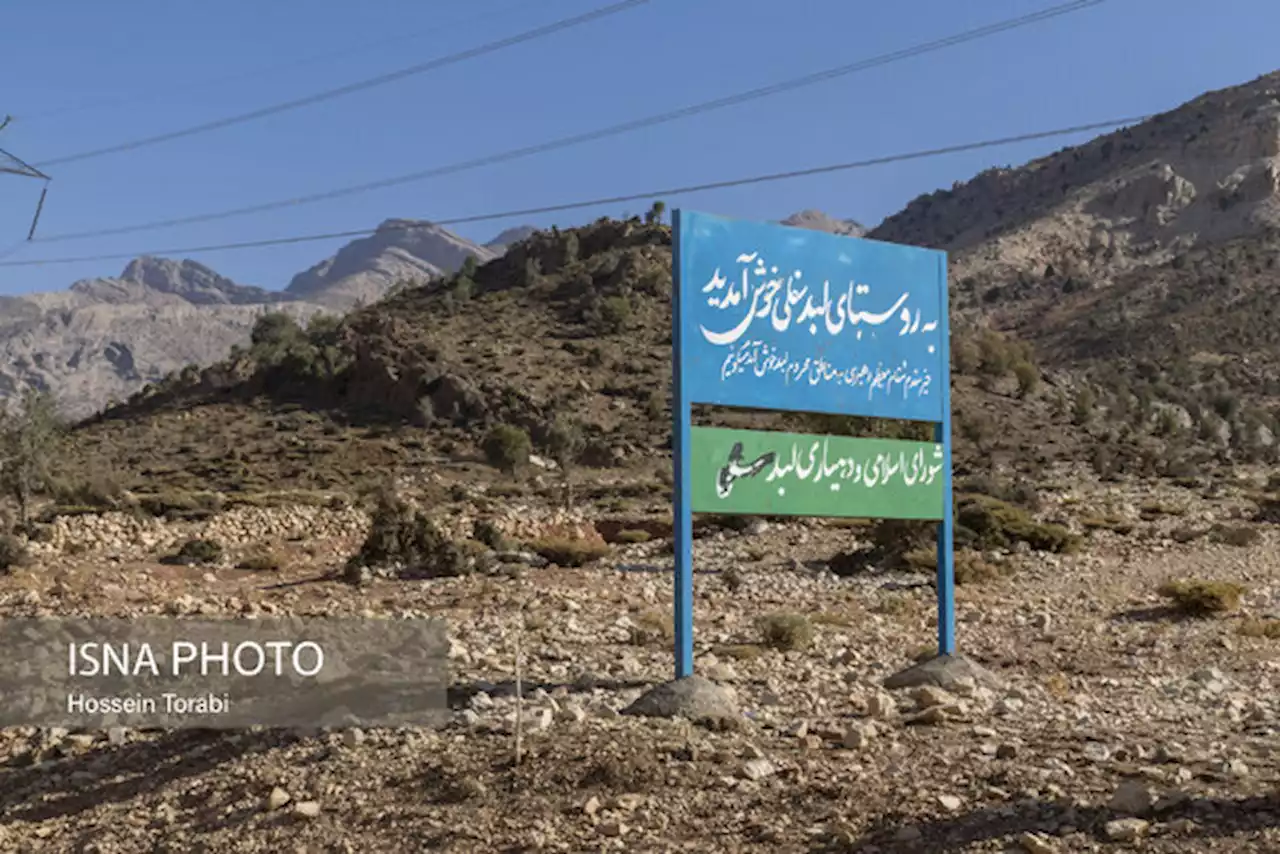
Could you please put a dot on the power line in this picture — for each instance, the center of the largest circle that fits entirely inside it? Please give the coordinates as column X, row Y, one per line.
column 11, row 164
column 258, row 73
column 380, row 80
column 614, row 130
column 630, row 197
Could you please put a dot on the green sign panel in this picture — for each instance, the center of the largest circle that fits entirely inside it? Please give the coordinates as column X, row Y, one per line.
column 793, row 474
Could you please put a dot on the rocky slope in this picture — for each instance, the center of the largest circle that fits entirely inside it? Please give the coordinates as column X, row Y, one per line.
column 819, row 221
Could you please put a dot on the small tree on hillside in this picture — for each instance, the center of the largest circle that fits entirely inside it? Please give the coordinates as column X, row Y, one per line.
column 564, row 444
column 654, row 216
column 29, row 439
column 507, row 448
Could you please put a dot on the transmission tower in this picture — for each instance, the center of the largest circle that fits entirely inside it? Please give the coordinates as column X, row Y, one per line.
column 11, row 164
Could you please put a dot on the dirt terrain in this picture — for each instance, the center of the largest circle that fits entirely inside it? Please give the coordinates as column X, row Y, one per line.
column 1101, row 690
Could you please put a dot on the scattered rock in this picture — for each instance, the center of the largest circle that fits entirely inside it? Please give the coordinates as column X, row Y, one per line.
column 944, row 672
column 1132, row 798
column 758, row 769
column 1034, row 843
column 693, row 697
column 277, row 799
column 1126, row 829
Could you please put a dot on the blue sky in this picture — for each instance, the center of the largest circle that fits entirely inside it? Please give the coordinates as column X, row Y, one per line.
column 167, row 65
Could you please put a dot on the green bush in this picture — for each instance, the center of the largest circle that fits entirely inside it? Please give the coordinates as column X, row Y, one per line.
column 610, row 314
column 487, row 532
column 13, row 553
column 196, row 552
column 997, row 525
column 404, row 539
column 1028, row 378
column 507, row 448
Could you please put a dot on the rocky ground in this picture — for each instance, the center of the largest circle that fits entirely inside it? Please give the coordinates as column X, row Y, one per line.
column 1110, row 723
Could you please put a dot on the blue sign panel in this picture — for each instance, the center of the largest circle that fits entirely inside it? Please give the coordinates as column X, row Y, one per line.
column 770, row 317
column 774, row 317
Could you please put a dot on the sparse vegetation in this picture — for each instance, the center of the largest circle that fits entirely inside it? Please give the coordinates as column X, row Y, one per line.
column 13, row 553
column 1235, row 535
column 570, row 552
column 785, row 631
column 1201, row 598
column 653, row 628
column 29, row 438
column 507, row 448
column 196, row 552
column 261, row 560
column 403, row 540
column 1260, row 627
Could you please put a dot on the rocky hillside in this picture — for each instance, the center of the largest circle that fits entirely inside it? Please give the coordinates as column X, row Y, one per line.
column 1145, row 260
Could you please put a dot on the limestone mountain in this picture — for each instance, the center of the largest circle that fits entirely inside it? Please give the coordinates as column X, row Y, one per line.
column 1206, row 173
column 1146, row 260
column 819, row 221
column 104, row 338
column 400, row 250
column 155, row 281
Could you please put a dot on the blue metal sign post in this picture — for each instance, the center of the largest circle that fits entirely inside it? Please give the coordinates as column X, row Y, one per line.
column 767, row 316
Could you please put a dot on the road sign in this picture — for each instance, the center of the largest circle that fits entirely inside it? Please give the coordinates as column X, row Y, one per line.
column 768, row 316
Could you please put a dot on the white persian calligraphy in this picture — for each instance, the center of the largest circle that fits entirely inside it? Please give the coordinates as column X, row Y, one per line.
column 813, row 462
column 761, row 360
column 763, row 292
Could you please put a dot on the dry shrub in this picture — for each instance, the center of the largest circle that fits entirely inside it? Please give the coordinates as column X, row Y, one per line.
column 488, row 532
column 1234, row 535
column 196, row 553
column 739, row 651
column 995, row 524
column 633, row 536
column 1058, row 686
column 261, row 560
column 569, row 551
column 785, row 631
column 1260, row 627
column 835, row 619
column 972, row 568
column 1188, row 534
column 1200, row 598
column 653, row 628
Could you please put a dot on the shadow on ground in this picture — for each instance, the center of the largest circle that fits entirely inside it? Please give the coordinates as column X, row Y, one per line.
column 114, row 775
column 1199, row 818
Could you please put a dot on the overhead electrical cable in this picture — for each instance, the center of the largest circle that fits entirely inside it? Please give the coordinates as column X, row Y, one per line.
column 380, row 80
column 596, row 202
column 603, row 133
column 262, row 71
